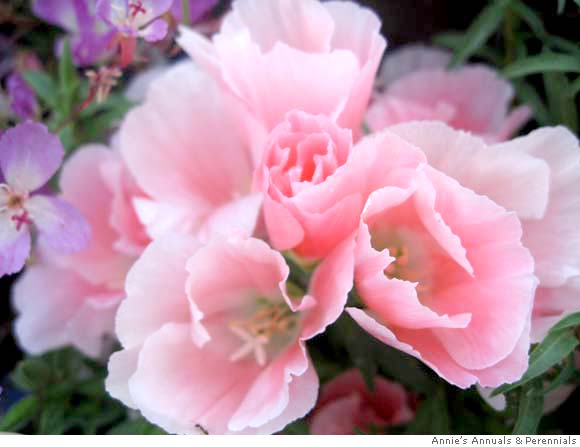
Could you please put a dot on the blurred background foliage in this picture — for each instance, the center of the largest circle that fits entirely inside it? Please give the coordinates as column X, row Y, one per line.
column 535, row 44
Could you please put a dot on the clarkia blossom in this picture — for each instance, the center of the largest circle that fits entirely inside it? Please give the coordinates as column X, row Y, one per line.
column 71, row 299
column 132, row 19
column 346, row 404
column 29, row 157
column 214, row 341
column 281, row 55
column 418, row 86
column 23, row 102
column 90, row 37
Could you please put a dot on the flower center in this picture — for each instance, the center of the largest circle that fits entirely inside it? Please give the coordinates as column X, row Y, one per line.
column 270, row 326
column 13, row 201
column 136, row 7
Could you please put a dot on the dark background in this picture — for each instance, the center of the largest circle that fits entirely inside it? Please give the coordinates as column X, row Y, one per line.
column 404, row 21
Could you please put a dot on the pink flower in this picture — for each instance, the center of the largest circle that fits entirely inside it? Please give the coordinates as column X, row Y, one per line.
column 280, row 55
column 471, row 98
column 538, row 177
column 29, row 156
column 72, row 299
column 346, row 404
column 311, row 202
column 212, row 340
column 441, row 271
column 189, row 149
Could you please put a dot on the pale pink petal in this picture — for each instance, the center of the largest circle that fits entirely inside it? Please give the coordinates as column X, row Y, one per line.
column 554, row 240
column 122, row 365
column 29, row 156
column 155, row 31
column 238, row 218
column 182, row 146
column 515, row 180
column 155, row 289
column 410, row 58
column 173, row 391
column 337, row 417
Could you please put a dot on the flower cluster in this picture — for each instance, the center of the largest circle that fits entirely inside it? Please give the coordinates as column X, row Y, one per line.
column 241, row 203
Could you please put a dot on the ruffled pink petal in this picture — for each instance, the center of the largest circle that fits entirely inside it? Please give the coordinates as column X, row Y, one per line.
column 338, row 417
column 410, row 58
column 58, row 308
column 515, row 180
column 122, row 365
column 173, row 391
column 270, row 395
column 155, row 289
column 181, row 146
column 29, row 156
column 554, row 240
column 83, row 186
column 61, row 227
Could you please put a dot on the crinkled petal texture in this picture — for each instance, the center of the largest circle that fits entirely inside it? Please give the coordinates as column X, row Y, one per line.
column 72, row 299
column 472, row 98
column 444, row 277
column 193, row 314
column 189, row 148
column 280, row 55
column 58, row 308
column 538, row 177
column 346, row 405
column 315, row 184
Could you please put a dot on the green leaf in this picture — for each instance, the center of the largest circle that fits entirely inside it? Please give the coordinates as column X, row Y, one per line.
column 551, row 351
column 485, row 24
column 432, row 416
column 547, row 62
column 530, row 409
column 566, row 373
column 527, row 94
column 561, row 6
column 136, row 427
column 43, row 85
column 571, row 320
column 574, row 88
column 19, row 414
column 529, row 16
column 67, row 79
column 299, row 427
column 562, row 106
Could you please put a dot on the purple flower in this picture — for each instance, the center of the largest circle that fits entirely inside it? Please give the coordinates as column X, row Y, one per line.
column 136, row 18
column 22, row 98
column 197, row 9
column 89, row 36
column 29, row 157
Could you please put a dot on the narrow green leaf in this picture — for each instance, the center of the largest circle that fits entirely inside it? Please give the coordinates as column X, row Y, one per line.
column 567, row 322
column 530, row 410
column 67, row 79
column 561, row 5
column 551, row 351
column 564, row 376
column 562, row 106
column 542, row 63
column 528, row 94
column 528, row 15
column 574, row 88
column 485, row 24
column 19, row 414
column 559, row 43
column 43, row 85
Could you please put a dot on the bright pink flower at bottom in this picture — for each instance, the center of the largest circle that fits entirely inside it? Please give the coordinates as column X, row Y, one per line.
column 346, row 404
column 212, row 340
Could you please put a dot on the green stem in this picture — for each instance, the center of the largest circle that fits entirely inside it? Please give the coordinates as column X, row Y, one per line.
column 185, row 12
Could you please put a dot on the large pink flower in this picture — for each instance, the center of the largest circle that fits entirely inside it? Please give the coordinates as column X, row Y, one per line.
column 280, row 55
column 212, row 340
column 471, row 98
column 311, row 202
column 189, row 147
column 346, row 404
column 442, row 273
column 72, row 299
column 538, row 177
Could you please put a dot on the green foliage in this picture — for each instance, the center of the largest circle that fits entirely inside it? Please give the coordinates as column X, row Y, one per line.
column 530, row 408
column 432, row 416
